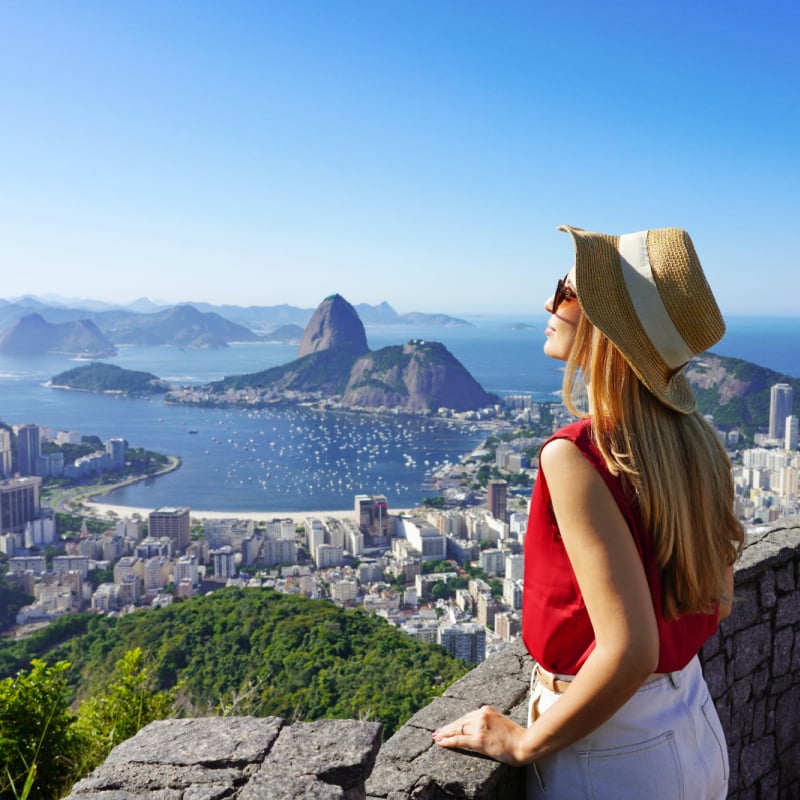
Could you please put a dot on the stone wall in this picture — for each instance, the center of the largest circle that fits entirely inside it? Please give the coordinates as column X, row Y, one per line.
column 247, row 758
column 752, row 666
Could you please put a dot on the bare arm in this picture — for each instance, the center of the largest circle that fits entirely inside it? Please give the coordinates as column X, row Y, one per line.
column 612, row 581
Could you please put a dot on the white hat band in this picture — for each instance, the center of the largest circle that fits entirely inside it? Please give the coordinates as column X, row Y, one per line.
column 647, row 302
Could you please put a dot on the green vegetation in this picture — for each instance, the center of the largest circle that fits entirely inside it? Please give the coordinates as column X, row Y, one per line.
column 38, row 744
column 234, row 651
column 262, row 652
column 327, row 370
column 45, row 748
column 735, row 392
column 98, row 377
column 11, row 601
column 434, row 502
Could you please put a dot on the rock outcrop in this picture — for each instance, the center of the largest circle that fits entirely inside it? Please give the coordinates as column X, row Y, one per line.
column 415, row 377
column 240, row 757
column 335, row 364
column 33, row 335
column 335, row 325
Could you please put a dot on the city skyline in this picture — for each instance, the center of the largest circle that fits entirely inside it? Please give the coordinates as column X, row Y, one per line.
column 259, row 154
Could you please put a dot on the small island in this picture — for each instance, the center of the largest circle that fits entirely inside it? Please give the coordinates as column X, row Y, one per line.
column 109, row 379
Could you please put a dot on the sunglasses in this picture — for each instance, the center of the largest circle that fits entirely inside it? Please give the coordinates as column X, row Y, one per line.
column 562, row 293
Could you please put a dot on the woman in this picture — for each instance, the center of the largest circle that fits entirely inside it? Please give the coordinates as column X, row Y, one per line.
column 630, row 543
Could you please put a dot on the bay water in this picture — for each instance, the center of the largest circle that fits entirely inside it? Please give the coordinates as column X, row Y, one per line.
column 293, row 459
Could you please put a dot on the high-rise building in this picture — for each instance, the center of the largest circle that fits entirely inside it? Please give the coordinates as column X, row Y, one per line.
column 19, row 503
column 29, row 449
column 5, row 453
column 173, row 523
column 116, row 449
column 791, row 433
column 780, row 407
column 372, row 516
column 224, row 561
column 497, row 499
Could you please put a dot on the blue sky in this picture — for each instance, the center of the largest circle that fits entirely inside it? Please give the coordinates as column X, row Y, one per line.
column 420, row 152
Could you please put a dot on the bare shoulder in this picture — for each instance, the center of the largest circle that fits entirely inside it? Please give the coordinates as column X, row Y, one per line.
column 562, row 454
column 572, row 477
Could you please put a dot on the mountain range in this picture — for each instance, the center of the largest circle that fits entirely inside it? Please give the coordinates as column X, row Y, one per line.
column 146, row 323
column 334, row 363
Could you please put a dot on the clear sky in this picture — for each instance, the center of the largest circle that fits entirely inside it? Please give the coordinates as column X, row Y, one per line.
column 420, row 152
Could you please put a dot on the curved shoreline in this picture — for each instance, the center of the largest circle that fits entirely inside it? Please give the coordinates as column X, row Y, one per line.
column 92, row 500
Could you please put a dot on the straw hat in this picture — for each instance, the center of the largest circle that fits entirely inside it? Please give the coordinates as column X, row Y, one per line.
column 646, row 291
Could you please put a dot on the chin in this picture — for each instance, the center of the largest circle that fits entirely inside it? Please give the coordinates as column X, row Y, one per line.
column 553, row 351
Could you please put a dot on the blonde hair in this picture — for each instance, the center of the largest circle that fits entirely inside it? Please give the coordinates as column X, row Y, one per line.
column 679, row 471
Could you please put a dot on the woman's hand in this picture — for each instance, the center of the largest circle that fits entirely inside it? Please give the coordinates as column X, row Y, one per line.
column 484, row 731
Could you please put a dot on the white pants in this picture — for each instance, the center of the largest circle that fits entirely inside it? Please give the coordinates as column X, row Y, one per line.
column 665, row 743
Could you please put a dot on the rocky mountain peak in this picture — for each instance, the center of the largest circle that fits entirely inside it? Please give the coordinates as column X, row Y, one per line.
column 334, row 325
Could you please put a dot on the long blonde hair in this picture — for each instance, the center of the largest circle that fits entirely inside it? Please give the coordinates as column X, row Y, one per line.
column 676, row 465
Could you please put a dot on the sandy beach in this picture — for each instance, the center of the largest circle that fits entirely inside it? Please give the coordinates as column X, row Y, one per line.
column 298, row 517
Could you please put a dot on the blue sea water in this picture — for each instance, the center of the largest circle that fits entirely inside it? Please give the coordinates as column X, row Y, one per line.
column 295, row 459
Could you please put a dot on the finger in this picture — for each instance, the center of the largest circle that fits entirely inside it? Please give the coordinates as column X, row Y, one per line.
column 453, row 735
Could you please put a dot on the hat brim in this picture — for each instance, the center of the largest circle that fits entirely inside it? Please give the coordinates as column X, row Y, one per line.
column 598, row 276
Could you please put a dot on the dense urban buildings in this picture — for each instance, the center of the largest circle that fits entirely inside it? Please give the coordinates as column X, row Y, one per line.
column 415, row 569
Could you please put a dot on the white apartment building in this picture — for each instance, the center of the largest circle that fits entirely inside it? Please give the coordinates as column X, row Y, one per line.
column 186, row 569
column 493, row 561
column 105, row 597
column 128, row 565
column 221, row 532
column 79, row 564
column 224, row 560
column 423, row 537
column 515, row 566
column 157, row 572
column 328, row 555
column 36, row 564
column 344, row 591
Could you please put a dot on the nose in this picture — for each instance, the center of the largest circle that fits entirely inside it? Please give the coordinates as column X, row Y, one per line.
column 548, row 304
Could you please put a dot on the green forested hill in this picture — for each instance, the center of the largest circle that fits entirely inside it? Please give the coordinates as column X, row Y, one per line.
column 734, row 391
column 260, row 651
column 99, row 377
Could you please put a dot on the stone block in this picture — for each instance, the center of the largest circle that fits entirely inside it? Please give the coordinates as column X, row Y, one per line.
column 766, row 588
column 785, row 580
column 278, row 787
column 711, row 647
column 745, row 611
column 149, row 779
column 760, row 718
column 714, row 673
column 503, row 691
column 756, row 761
column 441, row 711
column 787, row 720
column 406, row 744
column 210, row 741
column 340, row 752
column 788, row 612
column 782, row 651
column 752, row 647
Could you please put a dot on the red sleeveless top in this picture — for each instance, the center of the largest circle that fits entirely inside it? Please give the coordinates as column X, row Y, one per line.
column 555, row 623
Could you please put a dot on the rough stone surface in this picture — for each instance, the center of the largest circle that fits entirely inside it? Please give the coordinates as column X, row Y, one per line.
column 237, row 757
column 752, row 668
